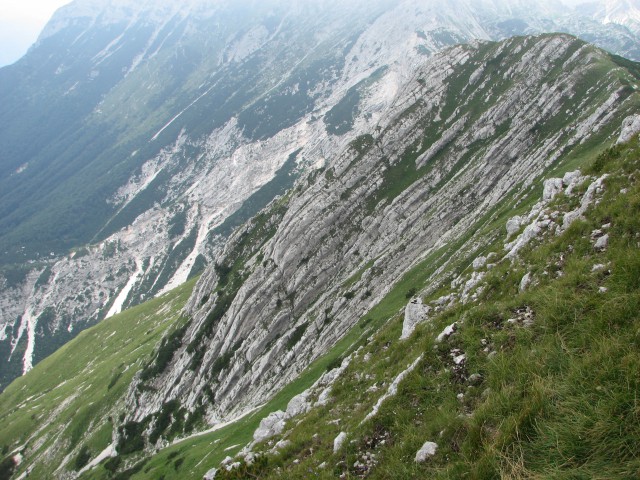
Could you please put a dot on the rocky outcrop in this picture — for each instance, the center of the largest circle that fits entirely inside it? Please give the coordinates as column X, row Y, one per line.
column 351, row 231
column 414, row 313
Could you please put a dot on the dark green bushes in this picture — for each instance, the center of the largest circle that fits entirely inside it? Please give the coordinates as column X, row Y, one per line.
column 168, row 347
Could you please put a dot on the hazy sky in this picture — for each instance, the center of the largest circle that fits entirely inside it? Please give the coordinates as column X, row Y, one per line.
column 22, row 20
column 20, row 23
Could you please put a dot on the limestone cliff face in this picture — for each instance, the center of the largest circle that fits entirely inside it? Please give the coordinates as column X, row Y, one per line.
column 252, row 95
column 472, row 127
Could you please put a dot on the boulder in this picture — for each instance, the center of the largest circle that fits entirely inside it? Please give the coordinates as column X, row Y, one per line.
column 428, row 450
column 339, row 441
column 271, row 425
column 414, row 313
column 552, row 187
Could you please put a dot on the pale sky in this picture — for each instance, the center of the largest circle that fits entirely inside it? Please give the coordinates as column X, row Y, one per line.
column 20, row 23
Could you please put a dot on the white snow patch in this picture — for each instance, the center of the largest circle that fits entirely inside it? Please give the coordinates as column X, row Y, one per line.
column 124, row 293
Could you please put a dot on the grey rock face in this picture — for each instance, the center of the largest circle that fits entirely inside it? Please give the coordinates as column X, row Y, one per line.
column 552, row 187
column 270, row 426
column 345, row 237
column 339, row 441
column 630, row 127
column 602, row 243
column 525, row 282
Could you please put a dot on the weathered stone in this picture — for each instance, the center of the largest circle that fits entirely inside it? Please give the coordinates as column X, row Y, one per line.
column 479, row 262
column 571, row 178
column 447, row 332
column 552, row 187
column 513, row 225
column 630, row 127
column 270, row 426
column 427, row 450
column 339, row 441
column 414, row 313
column 602, row 243
column 211, row 474
column 525, row 282
column 298, row 405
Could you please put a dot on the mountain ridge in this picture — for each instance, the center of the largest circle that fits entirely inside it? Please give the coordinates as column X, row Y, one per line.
column 106, row 210
column 384, row 196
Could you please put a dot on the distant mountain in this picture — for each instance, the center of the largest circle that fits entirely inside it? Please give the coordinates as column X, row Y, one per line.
column 136, row 136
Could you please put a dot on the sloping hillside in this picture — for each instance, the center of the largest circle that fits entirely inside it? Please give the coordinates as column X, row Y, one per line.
column 381, row 303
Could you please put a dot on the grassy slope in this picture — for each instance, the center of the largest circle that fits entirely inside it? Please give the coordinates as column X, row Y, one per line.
column 557, row 400
column 67, row 399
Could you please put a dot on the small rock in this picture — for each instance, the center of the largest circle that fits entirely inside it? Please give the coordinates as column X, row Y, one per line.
column 525, row 282
column 367, row 357
column 447, row 332
column 479, row 262
column 428, row 450
column 492, row 354
column 475, row 379
column 459, row 359
column 598, row 267
column 571, row 177
column 281, row 444
column 211, row 474
column 339, row 441
column 603, row 289
column 552, row 187
column 602, row 243
column 322, row 465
